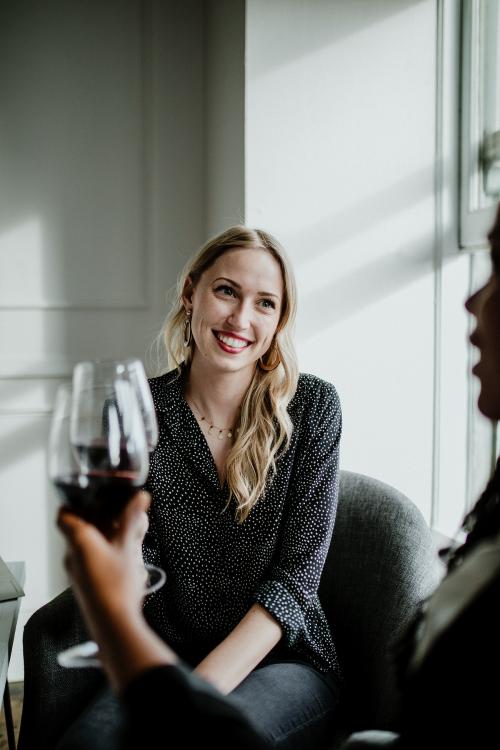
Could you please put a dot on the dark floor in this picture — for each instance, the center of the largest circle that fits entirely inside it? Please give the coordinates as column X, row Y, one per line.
column 16, row 700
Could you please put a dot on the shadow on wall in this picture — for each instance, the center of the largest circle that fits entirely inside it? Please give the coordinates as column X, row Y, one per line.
column 327, row 234
column 336, row 293
column 350, row 18
column 351, row 293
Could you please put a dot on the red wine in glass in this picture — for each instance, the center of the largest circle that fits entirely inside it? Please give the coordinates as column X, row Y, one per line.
column 98, row 497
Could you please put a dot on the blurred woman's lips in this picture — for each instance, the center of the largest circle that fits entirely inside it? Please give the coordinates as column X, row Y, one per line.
column 474, row 339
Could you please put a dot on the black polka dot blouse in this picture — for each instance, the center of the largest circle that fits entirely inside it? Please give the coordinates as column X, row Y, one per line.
column 217, row 568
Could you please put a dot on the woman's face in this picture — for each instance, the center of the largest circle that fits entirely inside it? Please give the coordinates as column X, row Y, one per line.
column 236, row 307
column 485, row 306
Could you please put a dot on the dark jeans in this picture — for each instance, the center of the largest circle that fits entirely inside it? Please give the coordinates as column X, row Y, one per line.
column 290, row 703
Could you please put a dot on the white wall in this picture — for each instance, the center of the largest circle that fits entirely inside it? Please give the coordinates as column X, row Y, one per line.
column 339, row 165
column 351, row 143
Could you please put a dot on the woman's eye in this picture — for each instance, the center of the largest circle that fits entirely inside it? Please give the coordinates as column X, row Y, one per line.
column 268, row 303
column 224, row 289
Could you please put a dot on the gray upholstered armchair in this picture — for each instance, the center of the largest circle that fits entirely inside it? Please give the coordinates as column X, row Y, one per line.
column 381, row 563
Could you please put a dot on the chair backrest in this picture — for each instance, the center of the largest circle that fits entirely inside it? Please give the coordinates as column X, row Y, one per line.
column 382, row 562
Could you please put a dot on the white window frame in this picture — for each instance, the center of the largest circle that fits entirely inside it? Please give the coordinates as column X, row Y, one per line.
column 480, row 120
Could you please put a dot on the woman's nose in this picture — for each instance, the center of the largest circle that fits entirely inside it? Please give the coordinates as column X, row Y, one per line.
column 240, row 316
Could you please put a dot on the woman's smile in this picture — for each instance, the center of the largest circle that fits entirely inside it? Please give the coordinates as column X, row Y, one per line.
column 230, row 342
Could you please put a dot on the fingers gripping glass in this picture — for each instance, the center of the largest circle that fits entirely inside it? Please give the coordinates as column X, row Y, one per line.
column 102, row 430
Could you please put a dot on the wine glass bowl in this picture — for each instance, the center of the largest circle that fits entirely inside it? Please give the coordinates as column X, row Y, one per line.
column 101, row 371
column 98, row 451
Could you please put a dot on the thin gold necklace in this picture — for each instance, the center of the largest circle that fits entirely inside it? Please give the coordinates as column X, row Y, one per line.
column 211, row 426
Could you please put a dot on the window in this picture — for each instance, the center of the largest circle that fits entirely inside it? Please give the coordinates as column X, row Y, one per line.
column 480, row 120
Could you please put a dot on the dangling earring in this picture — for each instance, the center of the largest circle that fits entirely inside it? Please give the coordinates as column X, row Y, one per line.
column 273, row 359
column 187, row 329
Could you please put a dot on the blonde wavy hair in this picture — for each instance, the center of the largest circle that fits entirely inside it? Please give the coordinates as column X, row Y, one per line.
column 265, row 427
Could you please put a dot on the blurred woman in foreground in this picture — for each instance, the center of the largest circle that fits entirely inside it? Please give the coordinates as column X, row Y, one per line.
column 450, row 660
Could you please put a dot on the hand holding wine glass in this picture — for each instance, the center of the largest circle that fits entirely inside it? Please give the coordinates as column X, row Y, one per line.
column 106, row 579
column 105, row 576
column 109, row 591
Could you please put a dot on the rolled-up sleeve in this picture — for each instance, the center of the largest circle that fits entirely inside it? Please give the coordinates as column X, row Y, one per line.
column 150, row 545
column 290, row 591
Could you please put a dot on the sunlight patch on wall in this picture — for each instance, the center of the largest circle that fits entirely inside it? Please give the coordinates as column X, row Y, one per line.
column 22, row 264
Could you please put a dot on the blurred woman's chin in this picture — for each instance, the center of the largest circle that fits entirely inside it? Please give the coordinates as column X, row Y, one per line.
column 489, row 407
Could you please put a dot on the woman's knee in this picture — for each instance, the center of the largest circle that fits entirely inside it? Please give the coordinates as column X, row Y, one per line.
column 290, row 703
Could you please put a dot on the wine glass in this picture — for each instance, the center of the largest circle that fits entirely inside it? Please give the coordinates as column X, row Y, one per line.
column 98, row 458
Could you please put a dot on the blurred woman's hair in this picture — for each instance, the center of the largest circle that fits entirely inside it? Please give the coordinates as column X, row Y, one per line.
column 481, row 522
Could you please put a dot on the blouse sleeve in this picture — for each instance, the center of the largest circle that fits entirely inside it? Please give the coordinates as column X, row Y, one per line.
column 290, row 591
column 150, row 546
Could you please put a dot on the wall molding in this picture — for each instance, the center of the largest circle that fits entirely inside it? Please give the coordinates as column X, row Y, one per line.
column 55, row 368
column 139, row 295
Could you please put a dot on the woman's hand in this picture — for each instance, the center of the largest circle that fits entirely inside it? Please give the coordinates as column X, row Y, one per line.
column 108, row 574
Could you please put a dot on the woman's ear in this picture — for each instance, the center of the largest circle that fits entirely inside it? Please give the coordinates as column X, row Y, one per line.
column 187, row 293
